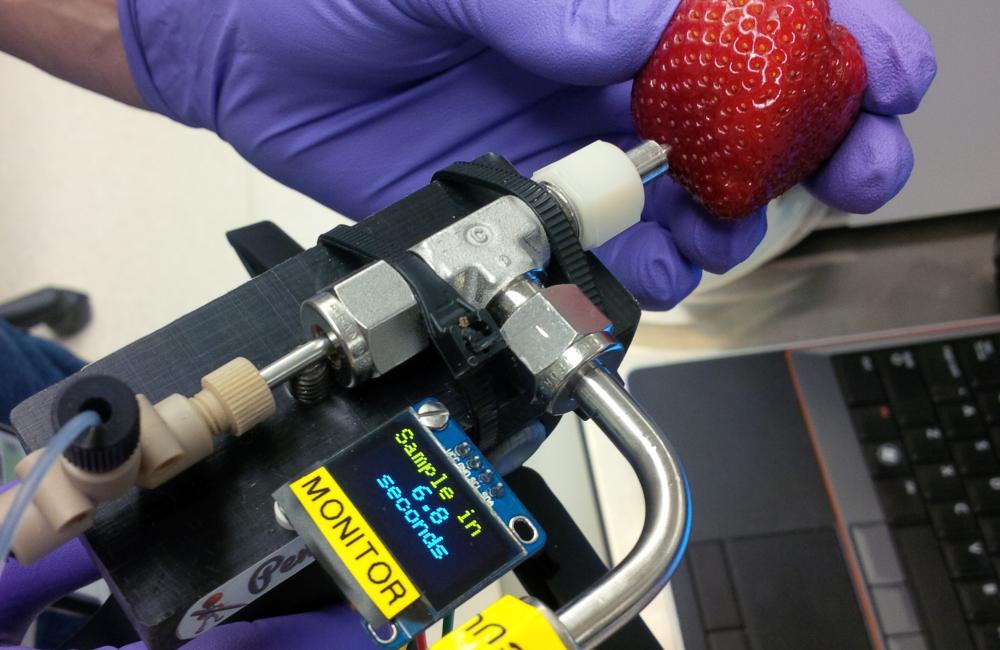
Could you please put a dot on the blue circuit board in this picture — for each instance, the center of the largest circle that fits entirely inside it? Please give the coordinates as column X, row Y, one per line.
column 411, row 523
column 500, row 508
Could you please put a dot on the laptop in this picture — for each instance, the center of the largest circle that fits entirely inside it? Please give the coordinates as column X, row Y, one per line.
column 845, row 495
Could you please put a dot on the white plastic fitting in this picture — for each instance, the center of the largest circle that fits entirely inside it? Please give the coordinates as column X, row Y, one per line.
column 235, row 398
column 603, row 188
column 175, row 434
column 64, row 505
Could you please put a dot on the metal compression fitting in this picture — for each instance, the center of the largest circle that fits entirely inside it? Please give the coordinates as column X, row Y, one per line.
column 621, row 594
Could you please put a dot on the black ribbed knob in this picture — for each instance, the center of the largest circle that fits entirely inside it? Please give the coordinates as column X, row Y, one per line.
column 106, row 446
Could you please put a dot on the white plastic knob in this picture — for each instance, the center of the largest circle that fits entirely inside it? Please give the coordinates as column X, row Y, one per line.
column 603, row 188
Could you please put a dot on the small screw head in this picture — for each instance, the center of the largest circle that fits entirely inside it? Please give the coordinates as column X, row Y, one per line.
column 281, row 518
column 434, row 415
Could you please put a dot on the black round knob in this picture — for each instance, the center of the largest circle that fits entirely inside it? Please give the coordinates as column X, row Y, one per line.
column 103, row 447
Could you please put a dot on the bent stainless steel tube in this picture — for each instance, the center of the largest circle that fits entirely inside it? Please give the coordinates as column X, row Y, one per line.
column 621, row 594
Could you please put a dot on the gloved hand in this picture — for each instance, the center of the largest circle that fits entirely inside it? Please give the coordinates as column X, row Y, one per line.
column 356, row 103
column 25, row 591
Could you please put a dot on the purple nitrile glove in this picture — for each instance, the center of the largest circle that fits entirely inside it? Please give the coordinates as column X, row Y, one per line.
column 357, row 103
column 26, row 591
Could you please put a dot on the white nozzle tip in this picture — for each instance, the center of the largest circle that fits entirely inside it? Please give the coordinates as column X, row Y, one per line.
column 603, row 187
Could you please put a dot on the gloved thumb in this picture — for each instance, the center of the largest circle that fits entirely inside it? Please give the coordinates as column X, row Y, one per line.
column 597, row 43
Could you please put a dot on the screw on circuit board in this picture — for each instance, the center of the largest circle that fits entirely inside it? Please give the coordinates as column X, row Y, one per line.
column 384, row 635
column 475, row 462
column 281, row 518
column 463, row 448
column 433, row 415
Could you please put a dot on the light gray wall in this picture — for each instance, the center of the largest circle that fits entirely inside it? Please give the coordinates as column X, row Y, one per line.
column 956, row 133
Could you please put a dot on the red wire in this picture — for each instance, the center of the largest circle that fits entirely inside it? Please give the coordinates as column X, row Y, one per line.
column 421, row 642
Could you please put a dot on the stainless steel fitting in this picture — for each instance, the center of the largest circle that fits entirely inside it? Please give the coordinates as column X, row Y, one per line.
column 483, row 253
column 553, row 333
column 374, row 319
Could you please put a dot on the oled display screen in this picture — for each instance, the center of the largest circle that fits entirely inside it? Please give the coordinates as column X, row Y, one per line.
column 445, row 537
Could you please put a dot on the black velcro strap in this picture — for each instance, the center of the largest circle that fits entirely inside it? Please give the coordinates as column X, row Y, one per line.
column 465, row 337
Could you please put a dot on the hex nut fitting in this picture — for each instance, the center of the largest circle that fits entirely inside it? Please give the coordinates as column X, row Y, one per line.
column 553, row 333
column 374, row 318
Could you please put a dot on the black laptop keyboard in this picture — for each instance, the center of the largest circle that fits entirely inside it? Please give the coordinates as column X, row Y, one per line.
column 928, row 419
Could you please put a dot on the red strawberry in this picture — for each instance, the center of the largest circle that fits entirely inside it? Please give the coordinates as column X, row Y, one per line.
column 751, row 96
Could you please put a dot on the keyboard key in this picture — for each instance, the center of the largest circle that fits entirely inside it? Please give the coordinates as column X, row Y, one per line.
column 961, row 421
column 886, row 460
column 728, row 640
column 939, row 482
column 877, row 555
column 925, row 444
column 713, row 586
column 943, row 375
column 932, row 588
column 980, row 600
column 974, row 457
column 895, row 610
column 904, row 385
column 986, row 637
column 953, row 520
column 874, row 423
column 908, row 642
column 991, row 533
column 859, row 379
column 980, row 360
column 967, row 559
column 901, row 501
column 984, row 495
column 989, row 402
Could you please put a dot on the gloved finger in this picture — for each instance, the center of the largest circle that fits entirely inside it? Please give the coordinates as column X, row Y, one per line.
column 336, row 628
column 869, row 168
column 897, row 50
column 645, row 259
column 585, row 43
column 714, row 244
column 26, row 590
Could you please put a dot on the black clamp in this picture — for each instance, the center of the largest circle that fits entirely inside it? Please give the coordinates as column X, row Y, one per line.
column 464, row 336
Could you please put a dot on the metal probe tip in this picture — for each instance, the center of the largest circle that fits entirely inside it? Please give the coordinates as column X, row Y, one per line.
column 296, row 361
column 650, row 159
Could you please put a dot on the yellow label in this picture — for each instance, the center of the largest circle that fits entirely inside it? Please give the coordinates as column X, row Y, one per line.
column 508, row 624
column 355, row 543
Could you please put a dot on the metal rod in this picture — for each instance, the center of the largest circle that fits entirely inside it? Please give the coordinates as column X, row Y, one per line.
column 296, row 361
column 650, row 159
column 621, row 594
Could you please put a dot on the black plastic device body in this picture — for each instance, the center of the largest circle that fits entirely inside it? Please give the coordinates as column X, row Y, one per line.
column 162, row 550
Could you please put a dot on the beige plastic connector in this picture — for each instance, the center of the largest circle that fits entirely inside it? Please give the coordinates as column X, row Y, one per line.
column 174, row 434
column 64, row 505
column 177, row 432
column 235, row 398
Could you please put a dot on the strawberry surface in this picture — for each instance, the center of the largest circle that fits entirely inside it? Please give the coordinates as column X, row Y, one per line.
column 751, row 96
